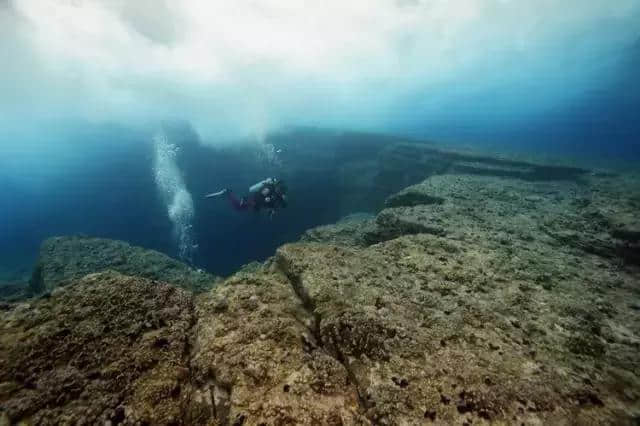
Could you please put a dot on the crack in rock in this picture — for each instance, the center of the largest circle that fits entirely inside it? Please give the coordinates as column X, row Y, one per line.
column 208, row 390
column 301, row 292
column 309, row 305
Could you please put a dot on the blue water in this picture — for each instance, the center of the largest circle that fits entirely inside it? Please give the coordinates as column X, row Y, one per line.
column 78, row 119
column 110, row 191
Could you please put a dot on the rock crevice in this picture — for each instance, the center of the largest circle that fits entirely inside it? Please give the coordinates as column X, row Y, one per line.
column 298, row 286
column 301, row 292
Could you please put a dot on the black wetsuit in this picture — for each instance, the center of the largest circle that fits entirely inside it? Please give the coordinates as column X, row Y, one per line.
column 257, row 201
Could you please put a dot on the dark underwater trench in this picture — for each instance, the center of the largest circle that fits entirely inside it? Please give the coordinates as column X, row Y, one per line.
column 329, row 175
column 110, row 192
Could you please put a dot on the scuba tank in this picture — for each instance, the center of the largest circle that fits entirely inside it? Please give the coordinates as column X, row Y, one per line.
column 258, row 186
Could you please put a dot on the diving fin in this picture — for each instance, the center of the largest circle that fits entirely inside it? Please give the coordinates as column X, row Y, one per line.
column 216, row 194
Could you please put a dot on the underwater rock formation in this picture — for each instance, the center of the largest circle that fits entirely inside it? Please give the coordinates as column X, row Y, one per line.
column 13, row 290
column 257, row 359
column 404, row 164
column 66, row 258
column 490, row 262
column 349, row 231
column 596, row 214
column 434, row 329
column 102, row 349
column 470, row 299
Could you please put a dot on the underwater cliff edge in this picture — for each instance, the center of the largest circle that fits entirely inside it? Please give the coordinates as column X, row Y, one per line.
column 486, row 290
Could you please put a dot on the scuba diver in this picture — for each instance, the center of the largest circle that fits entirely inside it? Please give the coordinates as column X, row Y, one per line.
column 267, row 194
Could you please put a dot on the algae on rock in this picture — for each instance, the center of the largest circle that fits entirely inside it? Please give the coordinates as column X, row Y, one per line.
column 509, row 300
column 104, row 348
column 66, row 258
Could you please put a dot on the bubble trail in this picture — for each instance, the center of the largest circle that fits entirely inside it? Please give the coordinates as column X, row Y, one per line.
column 177, row 198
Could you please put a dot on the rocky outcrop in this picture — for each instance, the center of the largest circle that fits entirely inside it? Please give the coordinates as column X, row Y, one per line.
column 431, row 160
column 505, row 301
column 67, row 258
column 476, row 314
column 434, row 330
column 597, row 215
column 404, row 164
column 115, row 349
column 258, row 359
column 487, row 275
column 13, row 290
column 349, row 231
column 361, row 170
column 105, row 349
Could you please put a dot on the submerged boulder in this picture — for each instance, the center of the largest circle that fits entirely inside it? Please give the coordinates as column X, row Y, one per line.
column 66, row 258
